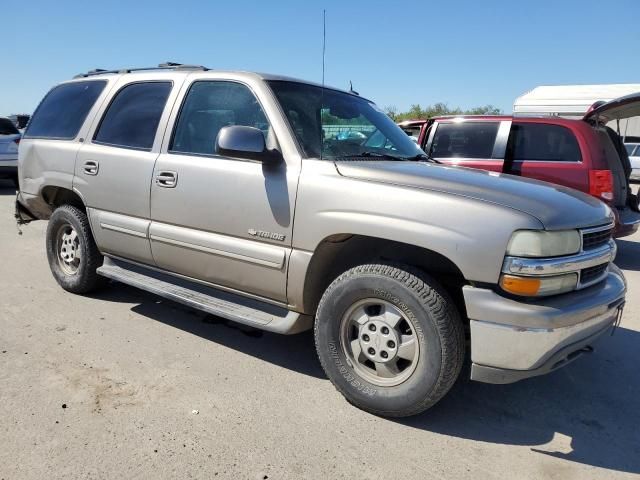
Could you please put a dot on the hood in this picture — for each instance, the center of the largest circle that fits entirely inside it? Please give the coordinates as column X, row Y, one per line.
column 555, row 206
column 617, row 109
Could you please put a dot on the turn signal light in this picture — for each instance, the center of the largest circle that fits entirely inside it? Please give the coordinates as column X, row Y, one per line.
column 601, row 184
column 525, row 286
column 539, row 286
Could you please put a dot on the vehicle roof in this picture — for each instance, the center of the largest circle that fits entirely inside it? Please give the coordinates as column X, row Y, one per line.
column 473, row 117
column 179, row 69
column 411, row 123
column 517, row 118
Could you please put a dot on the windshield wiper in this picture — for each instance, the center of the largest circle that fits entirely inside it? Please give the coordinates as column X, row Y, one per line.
column 385, row 156
column 375, row 155
column 422, row 157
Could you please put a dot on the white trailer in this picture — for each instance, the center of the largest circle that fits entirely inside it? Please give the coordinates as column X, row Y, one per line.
column 573, row 101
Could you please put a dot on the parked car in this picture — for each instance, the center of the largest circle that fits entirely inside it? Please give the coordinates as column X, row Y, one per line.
column 20, row 120
column 633, row 150
column 221, row 190
column 9, row 140
column 581, row 154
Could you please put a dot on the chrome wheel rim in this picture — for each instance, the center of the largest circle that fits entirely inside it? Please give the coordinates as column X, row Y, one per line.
column 380, row 342
column 68, row 249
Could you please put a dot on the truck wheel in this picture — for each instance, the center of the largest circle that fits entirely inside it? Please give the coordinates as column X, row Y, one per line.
column 389, row 339
column 72, row 252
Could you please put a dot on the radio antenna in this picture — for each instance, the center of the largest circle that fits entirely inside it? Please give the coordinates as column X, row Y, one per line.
column 324, row 41
column 324, row 46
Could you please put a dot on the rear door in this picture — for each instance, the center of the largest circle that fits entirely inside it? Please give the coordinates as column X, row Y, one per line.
column 114, row 166
column 469, row 143
column 546, row 151
column 618, row 109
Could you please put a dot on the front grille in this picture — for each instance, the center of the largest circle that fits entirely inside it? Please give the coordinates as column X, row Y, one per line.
column 595, row 239
column 588, row 275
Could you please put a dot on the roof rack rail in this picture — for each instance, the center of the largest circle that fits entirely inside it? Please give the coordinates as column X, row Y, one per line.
column 162, row 66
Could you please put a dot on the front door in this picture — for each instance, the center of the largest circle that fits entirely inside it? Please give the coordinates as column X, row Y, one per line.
column 114, row 167
column 221, row 220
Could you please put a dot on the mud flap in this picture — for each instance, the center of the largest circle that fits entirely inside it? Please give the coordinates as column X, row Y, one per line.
column 22, row 215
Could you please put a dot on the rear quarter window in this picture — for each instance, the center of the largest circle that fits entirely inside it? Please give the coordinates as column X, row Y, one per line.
column 543, row 142
column 464, row 140
column 64, row 109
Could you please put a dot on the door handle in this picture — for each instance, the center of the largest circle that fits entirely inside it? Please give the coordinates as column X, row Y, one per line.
column 91, row 167
column 167, row 179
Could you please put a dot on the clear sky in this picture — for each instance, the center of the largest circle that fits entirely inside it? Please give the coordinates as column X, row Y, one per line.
column 464, row 53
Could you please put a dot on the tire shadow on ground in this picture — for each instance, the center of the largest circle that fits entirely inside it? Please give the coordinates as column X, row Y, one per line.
column 293, row 352
column 594, row 401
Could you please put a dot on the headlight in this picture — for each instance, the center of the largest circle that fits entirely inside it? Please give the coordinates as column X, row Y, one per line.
column 540, row 243
column 538, row 286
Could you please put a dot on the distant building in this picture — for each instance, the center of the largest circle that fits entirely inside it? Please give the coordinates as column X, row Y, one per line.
column 573, row 101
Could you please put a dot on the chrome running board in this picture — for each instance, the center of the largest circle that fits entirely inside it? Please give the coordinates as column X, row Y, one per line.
column 227, row 305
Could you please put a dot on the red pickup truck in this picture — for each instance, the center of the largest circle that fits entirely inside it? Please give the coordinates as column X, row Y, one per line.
column 583, row 154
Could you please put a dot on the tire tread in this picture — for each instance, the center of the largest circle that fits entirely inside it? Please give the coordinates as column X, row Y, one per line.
column 441, row 307
column 88, row 280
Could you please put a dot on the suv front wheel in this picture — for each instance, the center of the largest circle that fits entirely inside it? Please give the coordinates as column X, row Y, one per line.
column 389, row 338
column 72, row 252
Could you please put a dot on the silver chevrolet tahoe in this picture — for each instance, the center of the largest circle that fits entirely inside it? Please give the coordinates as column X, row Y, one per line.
column 285, row 205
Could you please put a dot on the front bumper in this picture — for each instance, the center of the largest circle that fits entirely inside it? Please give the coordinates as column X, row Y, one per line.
column 512, row 340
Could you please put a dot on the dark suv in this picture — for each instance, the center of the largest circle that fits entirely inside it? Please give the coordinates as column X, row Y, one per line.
column 582, row 154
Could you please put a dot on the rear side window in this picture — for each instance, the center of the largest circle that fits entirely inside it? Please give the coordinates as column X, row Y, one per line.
column 7, row 127
column 64, row 109
column 132, row 118
column 543, row 142
column 464, row 140
column 208, row 107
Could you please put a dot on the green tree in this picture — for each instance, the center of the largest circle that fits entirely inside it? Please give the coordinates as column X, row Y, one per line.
column 417, row 112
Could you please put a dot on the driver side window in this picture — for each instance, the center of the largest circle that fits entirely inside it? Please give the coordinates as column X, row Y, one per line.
column 208, row 107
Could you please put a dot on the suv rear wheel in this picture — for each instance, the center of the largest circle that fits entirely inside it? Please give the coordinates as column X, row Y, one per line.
column 389, row 339
column 72, row 252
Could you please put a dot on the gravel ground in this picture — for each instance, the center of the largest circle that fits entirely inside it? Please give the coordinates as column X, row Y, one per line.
column 123, row 384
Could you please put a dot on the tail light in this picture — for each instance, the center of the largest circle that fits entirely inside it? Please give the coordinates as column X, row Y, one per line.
column 17, row 140
column 601, row 184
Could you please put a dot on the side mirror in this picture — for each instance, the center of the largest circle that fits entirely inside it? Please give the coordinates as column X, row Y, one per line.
column 244, row 142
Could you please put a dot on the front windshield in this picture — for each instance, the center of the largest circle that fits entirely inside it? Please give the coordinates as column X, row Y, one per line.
column 333, row 125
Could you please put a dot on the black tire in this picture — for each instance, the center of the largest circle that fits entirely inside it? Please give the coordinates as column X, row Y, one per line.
column 438, row 327
column 84, row 279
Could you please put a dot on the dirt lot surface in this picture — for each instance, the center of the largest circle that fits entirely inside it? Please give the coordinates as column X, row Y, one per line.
column 123, row 384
